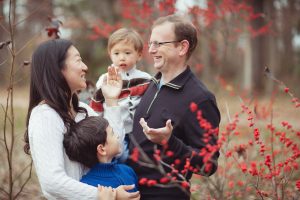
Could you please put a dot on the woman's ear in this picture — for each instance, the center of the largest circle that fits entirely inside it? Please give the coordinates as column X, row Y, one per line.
column 101, row 150
column 184, row 47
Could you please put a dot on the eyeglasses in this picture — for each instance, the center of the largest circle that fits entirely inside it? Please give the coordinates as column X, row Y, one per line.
column 156, row 44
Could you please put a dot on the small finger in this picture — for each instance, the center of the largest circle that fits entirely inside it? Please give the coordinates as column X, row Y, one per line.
column 109, row 69
column 116, row 69
column 143, row 123
column 134, row 194
column 100, row 187
column 169, row 124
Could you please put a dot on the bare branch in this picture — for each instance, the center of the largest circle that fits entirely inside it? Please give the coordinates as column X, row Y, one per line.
column 6, row 113
column 227, row 112
column 144, row 164
column 4, row 129
column 3, row 27
column 28, row 42
column 172, row 168
column 31, row 14
column 25, row 63
column 3, row 62
column 22, row 172
column 145, row 157
column 26, row 181
column 3, row 191
column 20, row 79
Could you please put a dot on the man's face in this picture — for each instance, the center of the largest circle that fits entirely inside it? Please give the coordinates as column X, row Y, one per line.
column 165, row 56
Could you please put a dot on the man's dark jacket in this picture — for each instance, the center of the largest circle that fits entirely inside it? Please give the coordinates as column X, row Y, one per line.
column 172, row 101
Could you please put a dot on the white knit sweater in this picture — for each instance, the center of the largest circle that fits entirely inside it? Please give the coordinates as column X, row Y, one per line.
column 128, row 104
column 58, row 175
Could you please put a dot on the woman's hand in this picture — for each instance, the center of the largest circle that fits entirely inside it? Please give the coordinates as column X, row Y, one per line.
column 122, row 193
column 106, row 193
column 112, row 86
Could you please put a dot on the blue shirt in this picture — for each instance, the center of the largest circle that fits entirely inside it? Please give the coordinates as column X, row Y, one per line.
column 111, row 174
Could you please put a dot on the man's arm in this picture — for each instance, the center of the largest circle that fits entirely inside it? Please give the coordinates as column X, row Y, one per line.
column 200, row 145
column 201, row 135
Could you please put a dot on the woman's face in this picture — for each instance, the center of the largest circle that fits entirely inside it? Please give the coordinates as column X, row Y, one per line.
column 74, row 70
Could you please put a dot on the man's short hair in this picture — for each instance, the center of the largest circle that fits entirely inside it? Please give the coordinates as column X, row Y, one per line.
column 82, row 139
column 183, row 29
column 127, row 35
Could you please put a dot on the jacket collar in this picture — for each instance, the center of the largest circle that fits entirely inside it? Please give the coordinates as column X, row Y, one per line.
column 178, row 82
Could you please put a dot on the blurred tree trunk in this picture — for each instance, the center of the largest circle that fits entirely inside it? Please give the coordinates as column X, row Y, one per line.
column 2, row 21
column 109, row 10
column 286, row 39
column 36, row 18
column 272, row 53
column 258, row 48
column 289, row 23
column 30, row 25
column 4, row 36
column 248, row 71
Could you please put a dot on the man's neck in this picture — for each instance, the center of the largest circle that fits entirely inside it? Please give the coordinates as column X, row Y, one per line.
column 171, row 74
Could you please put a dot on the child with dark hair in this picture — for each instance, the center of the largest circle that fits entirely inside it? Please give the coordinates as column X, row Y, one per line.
column 93, row 143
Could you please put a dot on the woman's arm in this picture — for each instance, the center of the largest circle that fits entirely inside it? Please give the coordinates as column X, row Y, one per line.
column 46, row 143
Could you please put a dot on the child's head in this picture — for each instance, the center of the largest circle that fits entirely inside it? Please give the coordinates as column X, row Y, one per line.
column 90, row 139
column 125, row 47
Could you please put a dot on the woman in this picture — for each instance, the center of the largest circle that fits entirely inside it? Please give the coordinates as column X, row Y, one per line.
column 57, row 72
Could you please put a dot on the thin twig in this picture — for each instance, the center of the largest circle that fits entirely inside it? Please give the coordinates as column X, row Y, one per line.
column 227, row 112
column 28, row 42
column 273, row 157
column 26, row 181
column 3, row 27
column 7, row 115
column 11, row 21
column 213, row 184
column 172, row 168
column 3, row 191
column 3, row 62
column 32, row 13
column 144, row 164
column 4, row 132
column 145, row 157
column 256, row 188
column 20, row 79
column 24, row 169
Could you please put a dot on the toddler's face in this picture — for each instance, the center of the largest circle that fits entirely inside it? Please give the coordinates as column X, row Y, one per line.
column 112, row 142
column 124, row 55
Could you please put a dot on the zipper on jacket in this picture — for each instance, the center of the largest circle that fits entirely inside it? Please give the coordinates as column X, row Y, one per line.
column 152, row 101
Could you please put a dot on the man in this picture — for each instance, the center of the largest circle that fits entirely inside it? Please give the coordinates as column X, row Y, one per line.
column 164, row 118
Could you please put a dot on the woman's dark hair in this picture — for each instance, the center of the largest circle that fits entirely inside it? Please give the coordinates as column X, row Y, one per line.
column 82, row 139
column 48, row 84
